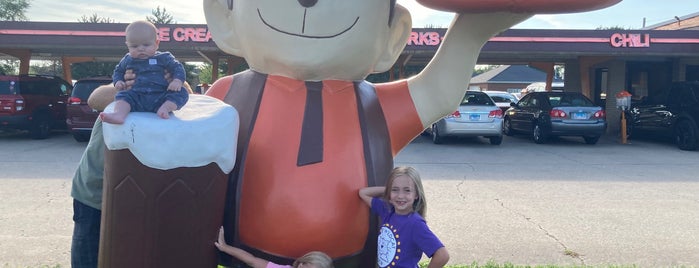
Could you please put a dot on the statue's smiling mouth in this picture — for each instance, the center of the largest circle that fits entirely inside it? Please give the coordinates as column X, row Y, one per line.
column 304, row 25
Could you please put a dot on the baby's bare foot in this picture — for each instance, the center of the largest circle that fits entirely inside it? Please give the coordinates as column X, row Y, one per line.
column 166, row 108
column 111, row 118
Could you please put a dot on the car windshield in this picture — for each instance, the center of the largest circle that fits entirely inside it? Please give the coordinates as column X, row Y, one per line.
column 83, row 89
column 502, row 98
column 477, row 98
column 568, row 100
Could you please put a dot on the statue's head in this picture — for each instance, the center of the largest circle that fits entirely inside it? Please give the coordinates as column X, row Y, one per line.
column 311, row 39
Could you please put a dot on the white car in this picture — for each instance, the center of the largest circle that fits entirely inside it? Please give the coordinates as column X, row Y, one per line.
column 502, row 99
column 477, row 115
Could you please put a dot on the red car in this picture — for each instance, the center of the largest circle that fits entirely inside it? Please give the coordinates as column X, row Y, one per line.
column 36, row 103
column 80, row 117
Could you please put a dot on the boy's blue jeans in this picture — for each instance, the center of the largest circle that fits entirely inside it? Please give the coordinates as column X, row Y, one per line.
column 86, row 236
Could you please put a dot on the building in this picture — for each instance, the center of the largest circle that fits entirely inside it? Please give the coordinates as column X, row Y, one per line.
column 509, row 78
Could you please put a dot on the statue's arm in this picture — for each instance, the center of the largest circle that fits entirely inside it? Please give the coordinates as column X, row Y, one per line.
column 438, row 89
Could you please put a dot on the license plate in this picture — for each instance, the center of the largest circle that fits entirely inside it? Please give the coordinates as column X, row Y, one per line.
column 474, row 117
column 578, row 115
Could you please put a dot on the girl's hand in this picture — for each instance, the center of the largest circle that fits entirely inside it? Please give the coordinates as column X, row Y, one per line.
column 221, row 239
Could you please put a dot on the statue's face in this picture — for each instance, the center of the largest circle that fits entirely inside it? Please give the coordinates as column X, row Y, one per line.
column 310, row 40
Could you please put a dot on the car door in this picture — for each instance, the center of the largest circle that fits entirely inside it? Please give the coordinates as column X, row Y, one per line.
column 58, row 96
column 652, row 115
column 522, row 115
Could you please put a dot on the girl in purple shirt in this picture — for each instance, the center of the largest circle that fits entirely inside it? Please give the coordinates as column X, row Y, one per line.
column 404, row 234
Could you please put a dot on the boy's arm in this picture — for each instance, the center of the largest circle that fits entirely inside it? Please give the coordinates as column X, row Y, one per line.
column 366, row 194
column 439, row 258
column 238, row 253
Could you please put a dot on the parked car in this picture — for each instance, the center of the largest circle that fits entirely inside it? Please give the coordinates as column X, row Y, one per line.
column 541, row 87
column 80, row 117
column 502, row 99
column 671, row 112
column 546, row 114
column 35, row 103
column 477, row 115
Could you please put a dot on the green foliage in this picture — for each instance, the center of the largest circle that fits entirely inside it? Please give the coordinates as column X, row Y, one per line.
column 89, row 69
column 94, row 18
column 205, row 71
column 47, row 67
column 482, row 69
column 9, row 67
column 611, row 28
column 161, row 17
column 13, row 10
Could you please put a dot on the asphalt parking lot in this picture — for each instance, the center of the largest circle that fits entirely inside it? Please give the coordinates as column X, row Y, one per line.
column 564, row 203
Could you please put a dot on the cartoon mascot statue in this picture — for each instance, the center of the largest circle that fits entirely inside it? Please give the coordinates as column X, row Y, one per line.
column 312, row 131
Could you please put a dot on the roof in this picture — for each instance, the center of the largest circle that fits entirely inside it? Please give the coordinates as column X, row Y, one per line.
column 686, row 22
column 511, row 74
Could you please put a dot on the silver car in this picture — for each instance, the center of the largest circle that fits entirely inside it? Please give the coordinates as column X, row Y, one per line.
column 477, row 115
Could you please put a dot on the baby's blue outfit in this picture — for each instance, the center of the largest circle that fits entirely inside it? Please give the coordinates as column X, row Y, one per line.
column 149, row 91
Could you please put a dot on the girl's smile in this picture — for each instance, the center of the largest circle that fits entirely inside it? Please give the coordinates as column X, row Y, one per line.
column 403, row 195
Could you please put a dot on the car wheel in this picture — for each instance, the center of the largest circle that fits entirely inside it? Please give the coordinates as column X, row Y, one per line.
column 81, row 137
column 686, row 135
column 507, row 127
column 41, row 128
column 539, row 135
column 591, row 139
column 495, row 140
column 436, row 139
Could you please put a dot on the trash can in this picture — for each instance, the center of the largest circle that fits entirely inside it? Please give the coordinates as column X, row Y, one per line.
column 164, row 187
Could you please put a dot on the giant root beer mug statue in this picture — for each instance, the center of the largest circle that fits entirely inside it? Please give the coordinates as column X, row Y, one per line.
column 164, row 185
column 313, row 132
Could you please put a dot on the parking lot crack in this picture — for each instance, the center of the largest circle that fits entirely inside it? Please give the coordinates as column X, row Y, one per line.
column 459, row 190
column 566, row 251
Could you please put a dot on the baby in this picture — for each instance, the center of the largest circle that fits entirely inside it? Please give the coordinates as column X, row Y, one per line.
column 151, row 92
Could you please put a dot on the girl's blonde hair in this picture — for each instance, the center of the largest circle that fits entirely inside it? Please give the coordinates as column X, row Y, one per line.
column 420, row 205
column 317, row 258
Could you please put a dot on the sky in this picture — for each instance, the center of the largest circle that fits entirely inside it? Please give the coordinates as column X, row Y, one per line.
column 628, row 14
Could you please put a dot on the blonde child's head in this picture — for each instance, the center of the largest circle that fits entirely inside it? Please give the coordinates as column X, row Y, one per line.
column 314, row 259
column 420, row 203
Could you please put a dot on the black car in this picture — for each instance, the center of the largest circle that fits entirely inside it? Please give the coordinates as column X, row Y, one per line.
column 671, row 112
column 79, row 116
column 33, row 102
column 546, row 114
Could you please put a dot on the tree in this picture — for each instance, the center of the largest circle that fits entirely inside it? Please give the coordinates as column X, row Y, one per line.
column 9, row 67
column 612, row 28
column 94, row 18
column 13, row 10
column 47, row 67
column 479, row 69
column 161, row 17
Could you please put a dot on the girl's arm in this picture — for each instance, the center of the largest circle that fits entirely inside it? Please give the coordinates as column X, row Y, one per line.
column 238, row 253
column 439, row 258
column 369, row 192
